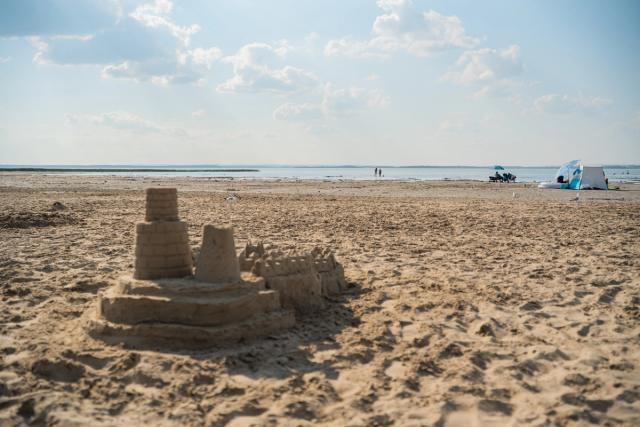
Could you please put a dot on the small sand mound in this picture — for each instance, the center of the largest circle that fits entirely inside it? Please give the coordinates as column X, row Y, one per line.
column 36, row 219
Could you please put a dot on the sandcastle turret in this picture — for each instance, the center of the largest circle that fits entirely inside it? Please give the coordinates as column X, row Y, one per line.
column 162, row 242
column 217, row 260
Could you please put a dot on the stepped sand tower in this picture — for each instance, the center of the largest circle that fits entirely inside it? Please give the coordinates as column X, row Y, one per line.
column 164, row 305
column 162, row 243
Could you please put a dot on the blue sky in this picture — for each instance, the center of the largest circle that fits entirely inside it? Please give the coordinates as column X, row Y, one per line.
column 319, row 82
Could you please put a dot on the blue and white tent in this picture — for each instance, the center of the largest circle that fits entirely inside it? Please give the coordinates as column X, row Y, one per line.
column 576, row 176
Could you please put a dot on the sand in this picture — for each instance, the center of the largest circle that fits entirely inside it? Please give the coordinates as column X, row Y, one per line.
column 467, row 304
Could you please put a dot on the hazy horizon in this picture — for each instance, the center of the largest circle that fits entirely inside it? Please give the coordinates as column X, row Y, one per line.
column 416, row 83
column 283, row 165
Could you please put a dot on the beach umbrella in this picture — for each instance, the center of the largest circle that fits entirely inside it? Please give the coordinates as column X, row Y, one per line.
column 498, row 168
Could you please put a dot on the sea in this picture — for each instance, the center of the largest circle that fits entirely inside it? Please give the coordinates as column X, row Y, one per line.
column 617, row 173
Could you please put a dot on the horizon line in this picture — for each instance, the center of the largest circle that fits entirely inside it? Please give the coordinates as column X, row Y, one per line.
column 8, row 166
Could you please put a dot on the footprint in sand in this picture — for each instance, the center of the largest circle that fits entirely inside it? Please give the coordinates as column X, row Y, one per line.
column 575, row 380
column 598, row 405
column 629, row 396
column 58, row 370
column 88, row 359
column 495, row 406
column 584, row 331
column 531, row 306
column 452, row 350
column 609, row 295
column 486, row 330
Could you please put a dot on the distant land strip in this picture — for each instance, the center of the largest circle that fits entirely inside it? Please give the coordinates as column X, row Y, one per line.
column 121, row 170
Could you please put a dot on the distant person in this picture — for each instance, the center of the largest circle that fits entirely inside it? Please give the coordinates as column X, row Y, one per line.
column 380, row 173
column 375, row 173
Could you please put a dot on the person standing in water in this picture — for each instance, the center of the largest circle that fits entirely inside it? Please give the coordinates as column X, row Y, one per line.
column 375, row 172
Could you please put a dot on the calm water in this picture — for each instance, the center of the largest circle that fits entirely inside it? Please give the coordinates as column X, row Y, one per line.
column 524, row 174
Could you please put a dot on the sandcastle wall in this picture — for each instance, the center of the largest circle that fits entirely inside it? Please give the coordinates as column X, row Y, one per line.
column 301, row 279
column 294, row 277
column 330, row 271
column 162, row 243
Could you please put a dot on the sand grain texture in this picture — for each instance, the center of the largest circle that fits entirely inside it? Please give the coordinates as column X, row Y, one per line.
column 466, row 306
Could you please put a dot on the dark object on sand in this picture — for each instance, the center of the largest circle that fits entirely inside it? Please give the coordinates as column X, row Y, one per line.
column 36, row 219
column 504, row 177
column 57, row 206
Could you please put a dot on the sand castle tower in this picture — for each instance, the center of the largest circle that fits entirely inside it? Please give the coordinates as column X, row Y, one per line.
column 217, row 261
column 162, row 243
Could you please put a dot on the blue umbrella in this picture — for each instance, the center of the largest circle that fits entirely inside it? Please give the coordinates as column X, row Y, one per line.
column 498, row 168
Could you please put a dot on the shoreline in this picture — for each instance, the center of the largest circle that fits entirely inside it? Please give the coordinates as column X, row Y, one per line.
column 180, row 175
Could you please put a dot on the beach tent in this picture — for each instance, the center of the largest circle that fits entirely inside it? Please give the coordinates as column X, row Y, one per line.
column 576, row 176
column 568, row 171
column 590, row 177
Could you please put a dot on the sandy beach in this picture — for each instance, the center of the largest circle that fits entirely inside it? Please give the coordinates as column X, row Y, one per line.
column 468, row 304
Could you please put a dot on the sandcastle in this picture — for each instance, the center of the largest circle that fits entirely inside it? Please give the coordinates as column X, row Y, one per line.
column 229, row 297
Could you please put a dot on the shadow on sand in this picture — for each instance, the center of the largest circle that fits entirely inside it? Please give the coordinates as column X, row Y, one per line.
column 289, row 353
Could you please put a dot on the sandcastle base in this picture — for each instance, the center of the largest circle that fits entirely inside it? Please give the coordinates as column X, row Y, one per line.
column 186, row 313
column 175, row 336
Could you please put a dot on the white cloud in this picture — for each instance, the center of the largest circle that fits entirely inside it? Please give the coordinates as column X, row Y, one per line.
column 486, row 65
column 297, row 112
column 503, row 88
column 404, row 28
column 336, row 102
column 198, row 114
column 153, row 15
column 200, row 56
column 123, row 120
column 566, row 105
column 158, row 7
column 258, row 67
column 144, row 46
column 159, row 72
column 349, row 101
column 493, row 71
column 189, row 66
column 351, row 48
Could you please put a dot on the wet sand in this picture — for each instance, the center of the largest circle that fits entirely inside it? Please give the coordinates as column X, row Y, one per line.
column 468, row 304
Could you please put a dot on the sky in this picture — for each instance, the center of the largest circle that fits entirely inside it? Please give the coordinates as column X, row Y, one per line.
column 308, row 82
